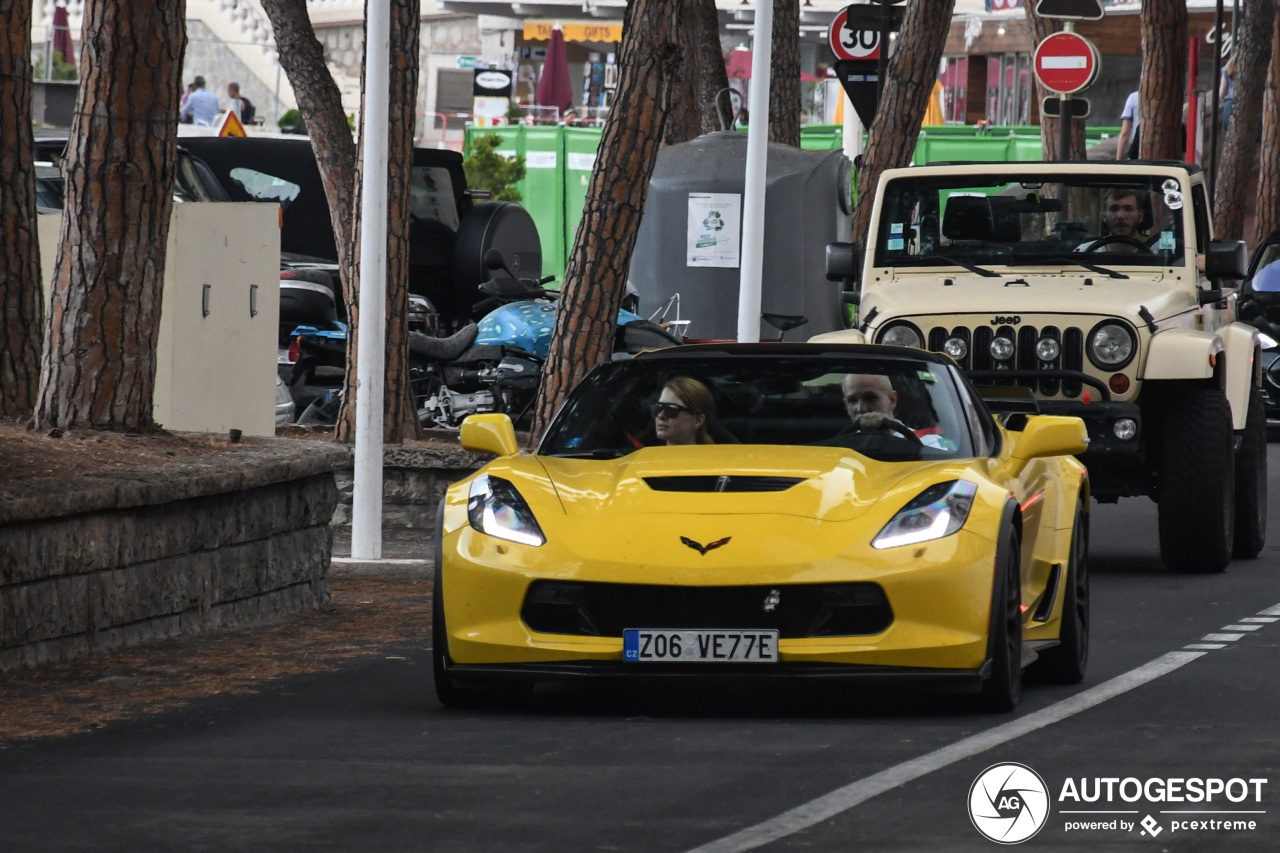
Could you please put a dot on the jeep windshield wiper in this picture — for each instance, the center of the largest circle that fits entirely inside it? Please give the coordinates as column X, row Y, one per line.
column 1068, row 259
column 970, row 267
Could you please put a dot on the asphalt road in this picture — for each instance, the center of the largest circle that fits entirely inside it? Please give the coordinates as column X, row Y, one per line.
column 364, row 758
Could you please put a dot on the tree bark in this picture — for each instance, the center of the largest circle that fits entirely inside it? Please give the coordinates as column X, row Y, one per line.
column 1163, row 88
column 784, row 88
column 713, row 79
column 1269, row 167
column 702, row 75
column 1240, row 151
column 1049, row 128
column 596, row 276
column 320, row 103
column 400, row 413
column 99, row 359
column 21, row 300
column 913, row 68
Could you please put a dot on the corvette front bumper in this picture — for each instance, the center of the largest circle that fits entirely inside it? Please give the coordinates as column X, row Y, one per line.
column 939, row 593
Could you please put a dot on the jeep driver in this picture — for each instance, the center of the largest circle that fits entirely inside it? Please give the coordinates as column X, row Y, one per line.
column 1097, row 286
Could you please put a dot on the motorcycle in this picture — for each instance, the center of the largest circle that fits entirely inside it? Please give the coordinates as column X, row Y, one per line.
column 494, row 365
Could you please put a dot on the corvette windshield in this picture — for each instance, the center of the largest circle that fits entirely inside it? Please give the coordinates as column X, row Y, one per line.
column 891, row 409
column 1053, row 220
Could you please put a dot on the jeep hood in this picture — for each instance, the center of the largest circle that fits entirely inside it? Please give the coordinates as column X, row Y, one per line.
column 1028, row 293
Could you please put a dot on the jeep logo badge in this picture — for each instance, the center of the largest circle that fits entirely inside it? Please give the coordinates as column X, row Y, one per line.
column 1006, row 321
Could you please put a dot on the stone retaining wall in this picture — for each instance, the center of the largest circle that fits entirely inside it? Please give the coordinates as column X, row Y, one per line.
column 239, row 538
column 414, row 479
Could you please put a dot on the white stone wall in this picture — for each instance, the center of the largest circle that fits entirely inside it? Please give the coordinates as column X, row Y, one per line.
column 212, row 59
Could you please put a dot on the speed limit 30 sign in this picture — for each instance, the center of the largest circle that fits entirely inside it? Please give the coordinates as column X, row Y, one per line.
column 848, row 43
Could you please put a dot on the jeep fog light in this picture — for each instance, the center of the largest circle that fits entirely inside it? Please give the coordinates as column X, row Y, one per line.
column 1125, row 429
column 1002, row 349
column 1047, row 349
column 957, row 348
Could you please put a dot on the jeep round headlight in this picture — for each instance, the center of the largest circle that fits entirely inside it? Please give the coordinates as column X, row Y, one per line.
column 1047, row 349
column 902, row 335
column 1001, row 349
column 957, row 348
column 1111, row 346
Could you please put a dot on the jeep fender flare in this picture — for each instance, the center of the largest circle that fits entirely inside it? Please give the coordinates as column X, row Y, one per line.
column 1244, row 369
column 1182, row 354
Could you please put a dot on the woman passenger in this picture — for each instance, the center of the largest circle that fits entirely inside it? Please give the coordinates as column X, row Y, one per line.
column 684, row 412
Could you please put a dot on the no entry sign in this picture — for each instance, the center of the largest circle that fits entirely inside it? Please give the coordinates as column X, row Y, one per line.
column 1066, row 63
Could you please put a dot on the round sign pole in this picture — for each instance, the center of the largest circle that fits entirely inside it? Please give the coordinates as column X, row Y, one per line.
column 1064, row 111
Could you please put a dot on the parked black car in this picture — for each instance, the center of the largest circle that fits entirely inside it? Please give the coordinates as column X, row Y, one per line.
column 1260, row 307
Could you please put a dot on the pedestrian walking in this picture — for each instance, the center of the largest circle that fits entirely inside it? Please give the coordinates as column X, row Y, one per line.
column 1130, row 127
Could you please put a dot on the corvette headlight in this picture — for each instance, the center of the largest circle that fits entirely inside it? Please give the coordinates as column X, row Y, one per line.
column 938, row 511
column 496, row 508
column 1110, row 346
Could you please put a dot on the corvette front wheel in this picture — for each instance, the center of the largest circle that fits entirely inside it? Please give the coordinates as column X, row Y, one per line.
column 1001, row 691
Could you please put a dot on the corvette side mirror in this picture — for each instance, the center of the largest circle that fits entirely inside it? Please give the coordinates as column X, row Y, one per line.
column 489, row 433
column 1049, row 435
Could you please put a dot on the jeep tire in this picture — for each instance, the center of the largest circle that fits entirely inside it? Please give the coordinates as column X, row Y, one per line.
column 1251, row 481
column 1196, row 487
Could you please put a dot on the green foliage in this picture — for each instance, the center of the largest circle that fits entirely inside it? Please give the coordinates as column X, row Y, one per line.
column 488, row 170
column 291, row 122
column 62, row 70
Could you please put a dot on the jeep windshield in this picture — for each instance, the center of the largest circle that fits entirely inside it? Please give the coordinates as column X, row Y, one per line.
column 1090, row 220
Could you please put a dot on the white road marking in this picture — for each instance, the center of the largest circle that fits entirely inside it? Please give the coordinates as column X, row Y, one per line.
column 1208, row 647
column 1270, row 611
column 842, row 799
column 1263, row 619
column 1241, row 627
column 1221, row 638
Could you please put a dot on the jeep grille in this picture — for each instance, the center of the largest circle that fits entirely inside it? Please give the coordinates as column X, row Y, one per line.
column 978, row 341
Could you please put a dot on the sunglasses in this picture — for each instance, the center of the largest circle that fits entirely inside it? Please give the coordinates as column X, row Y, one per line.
column 669, row 410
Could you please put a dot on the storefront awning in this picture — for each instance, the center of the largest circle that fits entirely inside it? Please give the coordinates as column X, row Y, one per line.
column 599, row 32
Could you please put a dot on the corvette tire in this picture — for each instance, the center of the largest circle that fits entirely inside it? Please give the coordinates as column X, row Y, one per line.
column 1197, row 487
column 1066, row 662
column 1001, row 691
column 1251, row 481
column 448, row 694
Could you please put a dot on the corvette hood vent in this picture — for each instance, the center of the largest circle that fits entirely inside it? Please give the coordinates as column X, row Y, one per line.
column 722, row 483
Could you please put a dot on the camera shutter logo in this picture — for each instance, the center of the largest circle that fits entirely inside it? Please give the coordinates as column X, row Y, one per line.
column 1008, row 803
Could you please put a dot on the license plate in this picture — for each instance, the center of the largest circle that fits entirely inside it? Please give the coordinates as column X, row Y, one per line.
column 657, row 645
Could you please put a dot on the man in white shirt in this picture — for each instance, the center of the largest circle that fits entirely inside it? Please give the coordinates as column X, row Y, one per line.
column 1130, row 122
column 201, row 105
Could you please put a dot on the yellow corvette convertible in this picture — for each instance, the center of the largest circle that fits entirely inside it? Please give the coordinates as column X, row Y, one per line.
column 769, row 510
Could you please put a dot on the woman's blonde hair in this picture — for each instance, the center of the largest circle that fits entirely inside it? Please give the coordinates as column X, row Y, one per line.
column 696, row 396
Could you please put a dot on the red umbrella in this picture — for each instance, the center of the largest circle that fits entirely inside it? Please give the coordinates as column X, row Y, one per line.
column 739, row 67
column 62, row 35
column 554, row 89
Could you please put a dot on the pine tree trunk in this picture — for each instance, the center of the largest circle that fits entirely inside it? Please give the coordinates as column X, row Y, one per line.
column 713, row 79
column 320, row 102
column 913, row 68
column 99, row 359
column 21, row 302
column 784, row 88
column 1240, row 151
column 400, row 413
column 684, row 120
column 596, row 276
column 702, row 75
column 1269, row 166
column 1049, row 128
column 1163, row 88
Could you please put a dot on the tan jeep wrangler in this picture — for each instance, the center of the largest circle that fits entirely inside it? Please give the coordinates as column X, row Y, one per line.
column 1099, row 287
